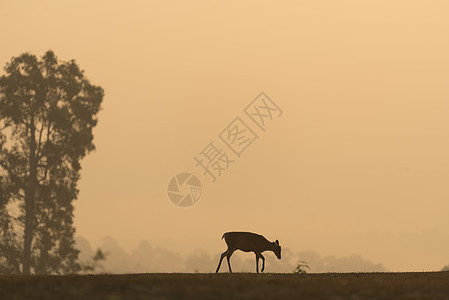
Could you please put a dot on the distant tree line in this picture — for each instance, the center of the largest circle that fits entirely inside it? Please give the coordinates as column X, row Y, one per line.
column 148, row 258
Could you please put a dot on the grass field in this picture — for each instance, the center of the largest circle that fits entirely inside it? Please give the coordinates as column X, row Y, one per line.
column 229, row 286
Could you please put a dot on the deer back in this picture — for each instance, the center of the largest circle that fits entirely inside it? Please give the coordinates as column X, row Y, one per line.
column 246, row 241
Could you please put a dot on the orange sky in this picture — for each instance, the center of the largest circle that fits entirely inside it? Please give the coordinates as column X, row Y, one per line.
column 360, row 154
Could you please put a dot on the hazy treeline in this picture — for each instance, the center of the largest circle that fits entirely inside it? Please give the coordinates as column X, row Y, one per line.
column 147, row 258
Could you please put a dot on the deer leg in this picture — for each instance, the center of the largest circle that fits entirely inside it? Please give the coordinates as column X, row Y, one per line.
column 221, row 258
column 263, row 262
column 257, row 263
column 228, row 257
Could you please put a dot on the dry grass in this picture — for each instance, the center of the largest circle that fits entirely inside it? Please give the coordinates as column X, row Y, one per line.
column 229, row 286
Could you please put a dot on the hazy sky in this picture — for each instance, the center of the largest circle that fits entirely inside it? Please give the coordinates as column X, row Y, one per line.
column 359, row 157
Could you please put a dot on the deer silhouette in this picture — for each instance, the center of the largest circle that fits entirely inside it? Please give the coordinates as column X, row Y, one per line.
column 248, row 242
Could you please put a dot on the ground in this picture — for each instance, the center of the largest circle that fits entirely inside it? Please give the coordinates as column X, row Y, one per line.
column 229, row 286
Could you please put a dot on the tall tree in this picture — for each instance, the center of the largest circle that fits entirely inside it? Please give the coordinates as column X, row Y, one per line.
column 47, row 112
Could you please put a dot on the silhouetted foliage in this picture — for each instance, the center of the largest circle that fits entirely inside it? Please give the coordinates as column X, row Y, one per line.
column 47, row 112
column 95, row 264
column 301, row 267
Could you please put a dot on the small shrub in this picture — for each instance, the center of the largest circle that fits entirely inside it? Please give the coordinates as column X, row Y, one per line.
column 301, row 268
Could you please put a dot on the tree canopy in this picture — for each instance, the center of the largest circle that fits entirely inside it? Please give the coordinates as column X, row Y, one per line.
column 48, row 110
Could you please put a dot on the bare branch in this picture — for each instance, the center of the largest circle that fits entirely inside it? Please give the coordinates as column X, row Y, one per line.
column 40, row 141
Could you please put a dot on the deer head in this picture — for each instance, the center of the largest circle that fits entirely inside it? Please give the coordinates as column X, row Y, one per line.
column 277, row 249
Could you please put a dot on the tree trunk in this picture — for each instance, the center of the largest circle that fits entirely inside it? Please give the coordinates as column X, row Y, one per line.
column 29, row 204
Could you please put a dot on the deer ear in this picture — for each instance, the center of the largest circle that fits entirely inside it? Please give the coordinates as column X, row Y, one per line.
column 277, row 242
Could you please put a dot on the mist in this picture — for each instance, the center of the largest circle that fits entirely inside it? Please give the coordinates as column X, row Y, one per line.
column 352, row 176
